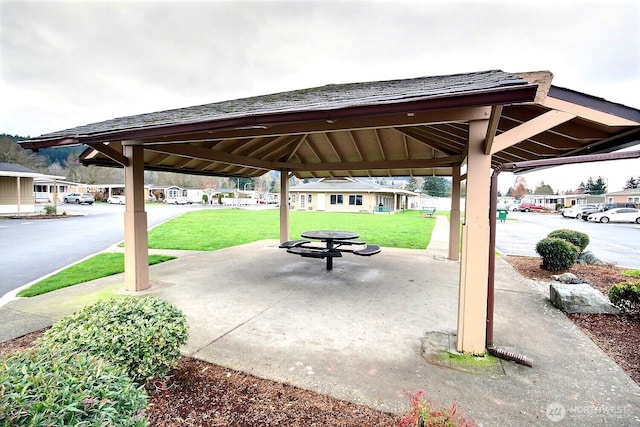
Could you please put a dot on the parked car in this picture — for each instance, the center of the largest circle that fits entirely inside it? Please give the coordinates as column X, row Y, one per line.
column 607, row 207
column 177, row 201
column 528, row 207
column 118, row 200
column 79, row 198
column 617, row 215
column 577, row 210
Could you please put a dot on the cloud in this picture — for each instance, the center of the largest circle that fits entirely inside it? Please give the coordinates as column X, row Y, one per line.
column 67, row 63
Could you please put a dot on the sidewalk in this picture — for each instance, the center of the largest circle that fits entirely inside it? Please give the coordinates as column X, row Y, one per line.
column 372, row 329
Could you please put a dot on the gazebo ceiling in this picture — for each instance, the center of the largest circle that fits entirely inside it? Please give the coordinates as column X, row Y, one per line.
column 415, row 127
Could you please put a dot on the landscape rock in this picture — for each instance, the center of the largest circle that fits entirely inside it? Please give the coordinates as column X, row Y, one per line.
column 580, row 298
column 567, row 278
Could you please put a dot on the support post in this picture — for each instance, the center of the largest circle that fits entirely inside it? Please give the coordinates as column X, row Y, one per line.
column 472, row 301
column 284, row 205
column 136, row 248
column 454, row 217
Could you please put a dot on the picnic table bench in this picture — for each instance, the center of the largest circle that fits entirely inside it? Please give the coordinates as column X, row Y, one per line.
column 336, row 242
column 428, row 212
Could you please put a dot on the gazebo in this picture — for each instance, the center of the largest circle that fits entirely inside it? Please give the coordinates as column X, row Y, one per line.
column 462, row 126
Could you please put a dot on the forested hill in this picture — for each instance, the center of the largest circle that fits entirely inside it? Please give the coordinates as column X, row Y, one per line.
column 9, row 143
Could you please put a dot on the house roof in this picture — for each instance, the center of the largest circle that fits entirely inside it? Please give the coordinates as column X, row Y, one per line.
column 349, row 185
column 412, row 127
column 17, row 170
column 625, row 192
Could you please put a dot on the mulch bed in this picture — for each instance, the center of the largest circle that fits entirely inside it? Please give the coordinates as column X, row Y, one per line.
column 616, row 335
column 198, row 393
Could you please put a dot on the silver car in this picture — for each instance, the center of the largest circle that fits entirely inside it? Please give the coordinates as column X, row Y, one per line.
column 79, row 198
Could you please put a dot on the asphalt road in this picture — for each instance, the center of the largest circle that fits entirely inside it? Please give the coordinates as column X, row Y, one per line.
column 30, row 249
column 615, row 243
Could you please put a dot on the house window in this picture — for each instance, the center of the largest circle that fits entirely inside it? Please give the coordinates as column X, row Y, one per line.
column 309, row 199
column 355, row 199
column 336, row 199
column 633, row 199
column 303, row 198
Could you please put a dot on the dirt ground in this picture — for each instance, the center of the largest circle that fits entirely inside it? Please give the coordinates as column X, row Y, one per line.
column 201, row 394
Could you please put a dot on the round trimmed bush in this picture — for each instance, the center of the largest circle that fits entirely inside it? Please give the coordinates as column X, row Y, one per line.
column 557, row 254
column 577, row 238
column 39, row 387
column 143, row 335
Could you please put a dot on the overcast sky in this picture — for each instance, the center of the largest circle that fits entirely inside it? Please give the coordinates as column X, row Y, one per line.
column 65, row 64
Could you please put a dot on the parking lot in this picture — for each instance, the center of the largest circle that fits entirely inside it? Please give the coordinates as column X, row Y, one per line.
column 614, row 243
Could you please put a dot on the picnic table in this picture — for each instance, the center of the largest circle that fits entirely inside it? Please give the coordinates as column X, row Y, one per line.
column 335, row 244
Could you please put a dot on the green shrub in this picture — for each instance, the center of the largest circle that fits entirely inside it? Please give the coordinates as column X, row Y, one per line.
column 577, row 238
column 39, row 387
column 626, row 295
column 143, row 335
column 50, row 209
column 557, row 254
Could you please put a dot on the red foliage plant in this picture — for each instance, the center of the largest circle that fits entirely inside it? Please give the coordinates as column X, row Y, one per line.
column 424, row 414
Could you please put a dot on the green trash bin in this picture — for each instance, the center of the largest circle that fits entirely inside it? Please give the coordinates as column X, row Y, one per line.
column 502, row 215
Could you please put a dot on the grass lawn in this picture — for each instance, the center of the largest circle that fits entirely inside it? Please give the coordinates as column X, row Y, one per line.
column 207, row 230
column 96, row 267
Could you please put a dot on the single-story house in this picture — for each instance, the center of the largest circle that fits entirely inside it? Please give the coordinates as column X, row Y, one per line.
column 17, row 188
column 46, row 189
column 583, row 199
column 350, row 195
column 629, row 195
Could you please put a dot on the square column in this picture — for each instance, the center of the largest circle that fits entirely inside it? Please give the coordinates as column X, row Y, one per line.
column 454, row 216
column 474, row 264
column 284, row 205
column 136, row 243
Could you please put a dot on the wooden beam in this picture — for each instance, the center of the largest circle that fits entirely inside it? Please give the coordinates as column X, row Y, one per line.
column 212, row 155
column 379, row 164
column 114, row 155
column 494, row 119
column 528, row 129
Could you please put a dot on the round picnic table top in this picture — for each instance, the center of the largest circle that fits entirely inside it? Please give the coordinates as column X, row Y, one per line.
column 328, row 234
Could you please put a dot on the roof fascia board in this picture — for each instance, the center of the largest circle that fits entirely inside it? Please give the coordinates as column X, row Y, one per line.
column 599, row 104
column 400, row 120
column 589, row 113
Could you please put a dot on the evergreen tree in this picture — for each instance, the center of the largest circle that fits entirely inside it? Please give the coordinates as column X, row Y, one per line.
column 543, row 189
column 632, row 183
column 413, row 184
column 437, row 186
column 599, row 186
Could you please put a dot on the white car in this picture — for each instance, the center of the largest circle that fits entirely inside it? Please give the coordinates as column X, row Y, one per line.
column 617, row 215
column 576, row 211
column 118, row 200
column 177, row 201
